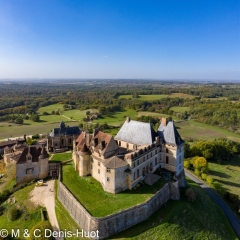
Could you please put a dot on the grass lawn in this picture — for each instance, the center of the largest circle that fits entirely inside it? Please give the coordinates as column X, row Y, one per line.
column 181, row 220
column 59, row 157
column 195, row 130
column 227, row 173
column 180, row 109
column 87, row 190
column 27, row 219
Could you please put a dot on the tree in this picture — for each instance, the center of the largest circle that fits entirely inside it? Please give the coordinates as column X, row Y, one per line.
column 19, row 120
column 35, row 117
column 201, row 164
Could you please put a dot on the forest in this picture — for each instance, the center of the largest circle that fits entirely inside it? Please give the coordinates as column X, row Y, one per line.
column 215, row 104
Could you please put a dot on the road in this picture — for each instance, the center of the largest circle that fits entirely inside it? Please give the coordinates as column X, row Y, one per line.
column 44, row 196
column 235, row 223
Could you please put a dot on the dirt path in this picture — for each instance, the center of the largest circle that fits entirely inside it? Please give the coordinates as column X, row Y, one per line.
column 44, row 196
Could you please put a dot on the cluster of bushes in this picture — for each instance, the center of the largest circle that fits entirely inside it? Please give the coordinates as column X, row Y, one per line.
column 4, row 196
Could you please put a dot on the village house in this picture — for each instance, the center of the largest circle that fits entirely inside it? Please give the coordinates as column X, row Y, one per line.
column 120, row 163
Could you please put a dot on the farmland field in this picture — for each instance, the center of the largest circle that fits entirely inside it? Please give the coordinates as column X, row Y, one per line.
column 180, row 109
column 196, row 131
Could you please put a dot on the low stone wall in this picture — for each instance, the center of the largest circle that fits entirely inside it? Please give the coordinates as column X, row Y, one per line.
column 112, row 224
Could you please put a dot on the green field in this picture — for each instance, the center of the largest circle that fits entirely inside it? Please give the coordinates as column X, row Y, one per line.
column 87, row 190
column 14, row 130
column 180, row 109
column 50, row 108
column 116, row 118
column 215, row 99
column 196, row 131
column 181, row 220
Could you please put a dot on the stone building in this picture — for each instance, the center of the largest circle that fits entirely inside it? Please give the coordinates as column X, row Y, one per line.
column 32, row 164
column 120, row 163
column 61, row 139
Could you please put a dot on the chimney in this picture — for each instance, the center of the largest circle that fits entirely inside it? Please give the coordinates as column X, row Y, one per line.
column 95, row 131
column 128, row 119
column 87, row 139
column 164, row 122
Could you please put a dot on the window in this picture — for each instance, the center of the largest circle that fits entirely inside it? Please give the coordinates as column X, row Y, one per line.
column 108, row 170
column 156, row 151
column 98, row 163
column 92, row 160
column 55, row 144
column 62, row 141
column 70, row 140
column 134, row 164
column 151, row 154
column 98, row 171
column 119, row 143
column 137, row 173
column 137, row 162
column 29, row 158
column 108, row 179
column 144, row 159
column 134, row 176
column 167, row 159
column 166, row 150
column 29, row 170
column 155, row 161
column 151, row 167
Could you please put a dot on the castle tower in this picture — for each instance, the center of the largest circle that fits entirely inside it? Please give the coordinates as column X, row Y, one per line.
column 84, row 161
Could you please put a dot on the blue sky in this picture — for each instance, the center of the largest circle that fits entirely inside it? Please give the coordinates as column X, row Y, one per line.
column 194, row 39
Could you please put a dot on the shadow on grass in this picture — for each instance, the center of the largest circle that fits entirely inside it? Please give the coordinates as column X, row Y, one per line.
column 229, row 183
column 219, row 174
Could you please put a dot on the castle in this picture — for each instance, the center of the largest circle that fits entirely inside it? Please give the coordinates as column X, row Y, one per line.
column 120, row 163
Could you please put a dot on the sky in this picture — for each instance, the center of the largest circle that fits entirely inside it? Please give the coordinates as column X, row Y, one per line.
column 187, row 39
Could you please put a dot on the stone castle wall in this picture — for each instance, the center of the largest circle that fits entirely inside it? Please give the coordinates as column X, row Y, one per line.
column 119, row 221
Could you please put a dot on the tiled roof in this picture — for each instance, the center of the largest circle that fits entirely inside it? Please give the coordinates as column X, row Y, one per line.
column 136, row 132
column 169, row 134
column 8, row 143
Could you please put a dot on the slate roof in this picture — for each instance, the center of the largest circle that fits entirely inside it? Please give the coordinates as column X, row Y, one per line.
column 34, row 151
column 115, row 162
column 169, row 134
column 135, row 132
column 62, row 130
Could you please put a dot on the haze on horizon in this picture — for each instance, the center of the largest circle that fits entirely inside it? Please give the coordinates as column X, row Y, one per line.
column 120, row 39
